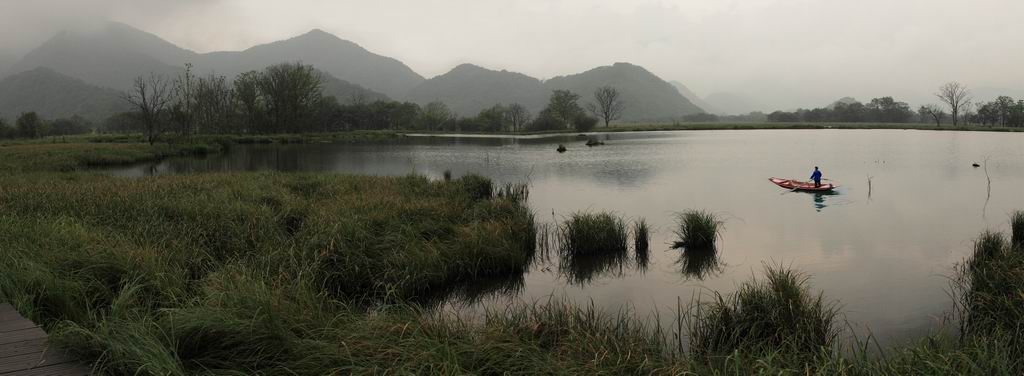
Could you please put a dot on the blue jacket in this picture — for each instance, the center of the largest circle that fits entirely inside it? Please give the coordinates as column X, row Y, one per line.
column 816, row 176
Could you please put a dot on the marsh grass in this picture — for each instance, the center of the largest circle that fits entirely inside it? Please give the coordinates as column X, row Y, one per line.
column 697, row 229
column 585, row 233
column 1017, row 230
column 642, row 243
column 591, row 244
column 775, row 314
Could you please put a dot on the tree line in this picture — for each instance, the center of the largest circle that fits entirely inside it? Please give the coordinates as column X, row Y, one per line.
column 879, row 110
column 31, row 125
column 289, row 98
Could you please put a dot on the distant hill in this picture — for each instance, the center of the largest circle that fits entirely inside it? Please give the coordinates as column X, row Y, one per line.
column 647, row 97
column 7, row 60
column 346, row 92
column 693, row 97
column 54, row 95
column 341, row 58
column 732, row 103
column 116, row 54
column 112, row 56
column 467, row 89
column 843, row 100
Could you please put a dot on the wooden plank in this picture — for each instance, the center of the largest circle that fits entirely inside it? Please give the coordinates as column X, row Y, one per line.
column 11, row 326
column 63, row 369
column 24, row 350
column 21, row 335
column 31, row 361
column 35, row 346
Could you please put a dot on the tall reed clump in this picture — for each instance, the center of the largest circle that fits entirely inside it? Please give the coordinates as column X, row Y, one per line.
column 1017, row 230
column 642, row 242
column 586, row 233
column 991, row 300
column 765, row 316
column 697, row 229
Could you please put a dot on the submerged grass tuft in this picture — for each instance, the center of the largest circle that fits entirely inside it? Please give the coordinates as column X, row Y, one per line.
column 697, row 229
column 642, row 242
column 586, row 233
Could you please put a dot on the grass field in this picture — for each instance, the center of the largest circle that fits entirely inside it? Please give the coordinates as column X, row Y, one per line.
column 313, row 274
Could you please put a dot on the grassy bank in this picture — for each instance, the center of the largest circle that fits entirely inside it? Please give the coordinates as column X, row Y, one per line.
column 49, row 157
column 642, row 127
column 314, row 274
column 76, row 153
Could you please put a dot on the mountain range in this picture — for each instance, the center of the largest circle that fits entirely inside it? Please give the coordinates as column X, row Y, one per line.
column 56, row 95
column 112, row 56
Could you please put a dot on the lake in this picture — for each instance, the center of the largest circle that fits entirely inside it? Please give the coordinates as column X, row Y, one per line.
column 885, row 253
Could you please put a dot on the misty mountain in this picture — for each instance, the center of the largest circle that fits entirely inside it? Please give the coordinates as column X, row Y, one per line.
column 843, row 100
column 7, row 60
column 647, row 97
column 341, row 58
column 467, row 89
column 112, row 56
column 693, row 97
column 732, row 103
column 346, row 92
column 116, row 54
column 54, row 95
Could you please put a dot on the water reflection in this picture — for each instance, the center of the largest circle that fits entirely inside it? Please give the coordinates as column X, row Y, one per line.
column 475, row 290
column 699, row 263
column 583, row 269
column 819, row 201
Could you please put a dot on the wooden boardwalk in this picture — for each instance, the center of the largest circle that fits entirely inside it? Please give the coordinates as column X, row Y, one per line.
column 25, row 352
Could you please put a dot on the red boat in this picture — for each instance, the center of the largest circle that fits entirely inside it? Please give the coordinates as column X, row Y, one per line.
column 802, row 185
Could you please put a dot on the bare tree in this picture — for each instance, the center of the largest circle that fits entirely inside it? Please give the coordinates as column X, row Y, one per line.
column 518, row 115
column 608, row 104
column 150, row 96
column 934, row 112
column 184, row 106
column 956, row 96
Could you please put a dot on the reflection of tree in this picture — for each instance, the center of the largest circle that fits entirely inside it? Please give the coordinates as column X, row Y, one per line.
column 699, row 263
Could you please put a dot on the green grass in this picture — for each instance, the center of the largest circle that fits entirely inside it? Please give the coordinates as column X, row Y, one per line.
column 1017, row 229
column 585, row 233
column 697, row 229
column 642, row 242
column 313, row 274
column 36, row 157
column 775, row 315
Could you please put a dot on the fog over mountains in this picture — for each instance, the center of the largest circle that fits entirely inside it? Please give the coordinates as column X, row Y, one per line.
column 114, row 55
column 56, row 96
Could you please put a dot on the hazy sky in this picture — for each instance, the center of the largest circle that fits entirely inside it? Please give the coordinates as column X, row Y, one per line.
column 784, row 53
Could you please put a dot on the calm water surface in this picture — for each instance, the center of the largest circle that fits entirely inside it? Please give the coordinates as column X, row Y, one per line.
column 885, row 252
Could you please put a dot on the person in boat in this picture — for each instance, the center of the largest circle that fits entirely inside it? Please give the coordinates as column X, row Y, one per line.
column 816, row 176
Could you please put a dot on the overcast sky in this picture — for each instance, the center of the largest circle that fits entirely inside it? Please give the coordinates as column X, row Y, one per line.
column 784, row 53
